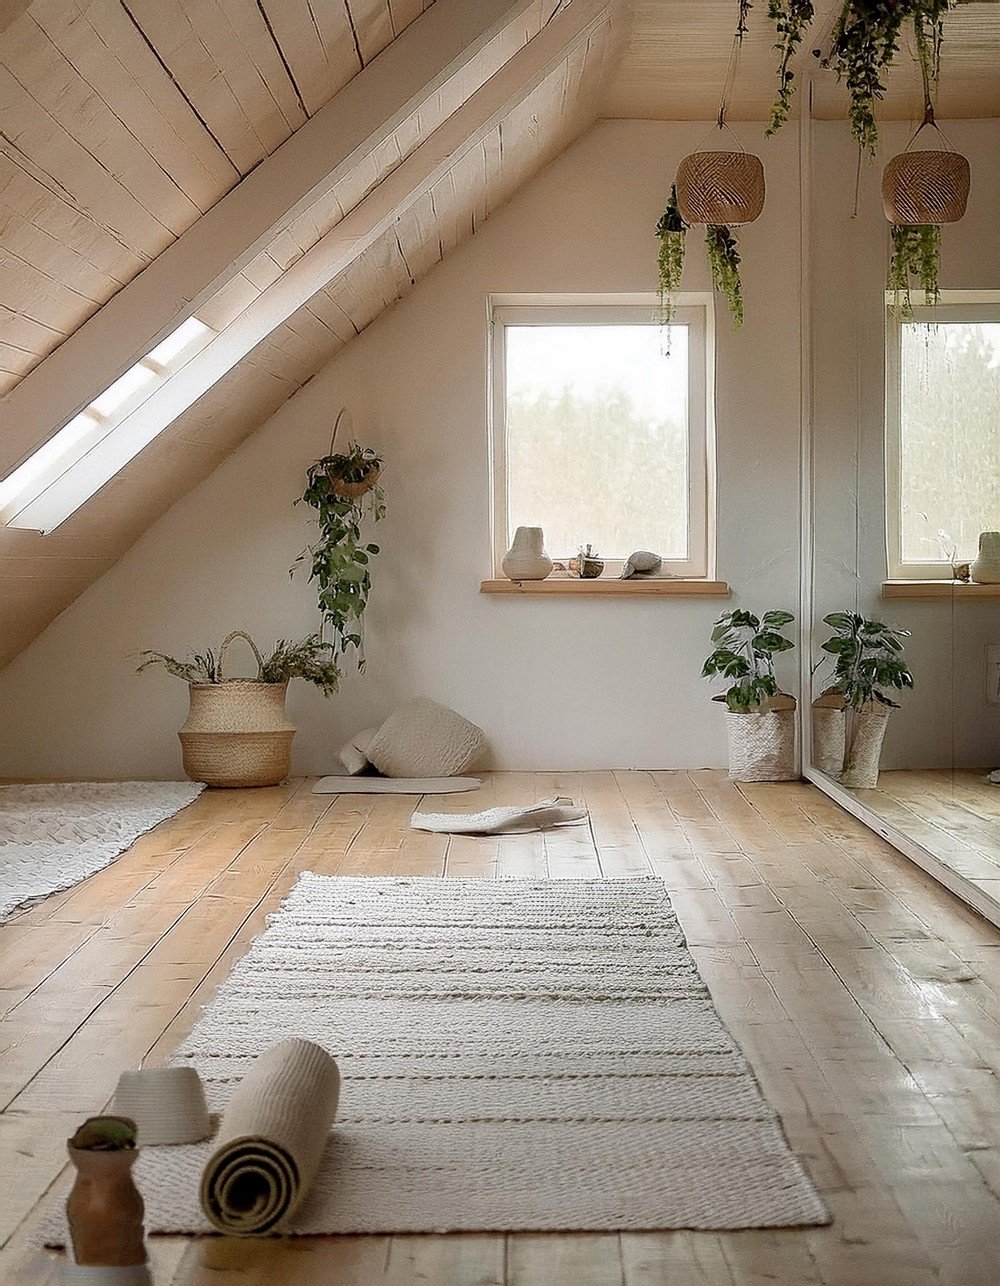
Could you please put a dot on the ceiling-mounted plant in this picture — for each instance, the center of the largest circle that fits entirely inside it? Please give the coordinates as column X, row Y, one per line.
column 717, row 190
column 791, row 20
column 724, row 260
column 343, row 490
column 865, row 42
column 671, row 231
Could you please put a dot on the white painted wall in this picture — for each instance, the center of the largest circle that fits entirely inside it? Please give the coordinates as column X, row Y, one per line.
column 567, row 684
column 946, row 719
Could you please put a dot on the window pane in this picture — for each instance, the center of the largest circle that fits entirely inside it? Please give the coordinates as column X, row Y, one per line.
column 597, row 437
column 950, row 438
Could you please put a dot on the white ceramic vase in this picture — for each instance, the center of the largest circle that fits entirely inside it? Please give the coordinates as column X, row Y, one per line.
column 986, row 568
column 526, row 559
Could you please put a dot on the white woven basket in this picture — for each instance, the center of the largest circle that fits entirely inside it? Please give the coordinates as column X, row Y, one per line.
column 761, row 745
column 829, row 729
column 864, row 754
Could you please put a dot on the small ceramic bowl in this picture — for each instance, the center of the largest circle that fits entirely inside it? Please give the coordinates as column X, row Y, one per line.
column 166, row 1103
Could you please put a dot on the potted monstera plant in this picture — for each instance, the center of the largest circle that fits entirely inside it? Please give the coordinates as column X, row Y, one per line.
column 760, row 718
column 869, row 664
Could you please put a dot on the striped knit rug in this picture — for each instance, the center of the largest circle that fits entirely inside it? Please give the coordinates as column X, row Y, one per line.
column 516, row 1054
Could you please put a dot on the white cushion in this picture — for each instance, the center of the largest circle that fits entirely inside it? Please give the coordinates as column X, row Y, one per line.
column 353, row 755
column 425, row 739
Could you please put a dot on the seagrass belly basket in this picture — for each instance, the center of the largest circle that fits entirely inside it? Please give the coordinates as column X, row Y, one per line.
column 237, row 733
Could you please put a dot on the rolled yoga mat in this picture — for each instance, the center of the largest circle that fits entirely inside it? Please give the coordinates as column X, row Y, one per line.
column 271, row 1139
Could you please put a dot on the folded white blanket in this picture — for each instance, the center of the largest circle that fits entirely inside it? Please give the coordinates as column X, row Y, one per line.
column 557, row 811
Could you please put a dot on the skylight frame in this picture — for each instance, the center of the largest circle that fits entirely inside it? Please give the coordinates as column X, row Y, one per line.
column 75, row 463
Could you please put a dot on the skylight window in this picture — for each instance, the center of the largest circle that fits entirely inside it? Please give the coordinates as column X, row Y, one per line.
column 100, row 440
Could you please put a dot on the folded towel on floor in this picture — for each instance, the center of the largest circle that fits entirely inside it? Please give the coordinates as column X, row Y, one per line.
column 557, row 811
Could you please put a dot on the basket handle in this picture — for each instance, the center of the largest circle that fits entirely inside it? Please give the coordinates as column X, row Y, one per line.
column 930, row 120
column 336, row 425
column 238, row 634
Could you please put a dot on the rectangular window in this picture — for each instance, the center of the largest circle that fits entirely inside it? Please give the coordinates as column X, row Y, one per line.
column 942, row 434
column 600, row 428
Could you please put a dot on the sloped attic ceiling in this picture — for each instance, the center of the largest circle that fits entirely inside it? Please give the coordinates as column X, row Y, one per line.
column 398, row 167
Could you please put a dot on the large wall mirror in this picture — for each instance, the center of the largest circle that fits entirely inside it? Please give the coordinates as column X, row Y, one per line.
column 905, row 481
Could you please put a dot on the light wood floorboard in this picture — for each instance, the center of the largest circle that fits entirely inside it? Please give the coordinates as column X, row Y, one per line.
column 866, row 997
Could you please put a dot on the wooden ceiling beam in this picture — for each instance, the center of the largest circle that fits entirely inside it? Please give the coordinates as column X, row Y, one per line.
column 375, row 215
column 428, row 54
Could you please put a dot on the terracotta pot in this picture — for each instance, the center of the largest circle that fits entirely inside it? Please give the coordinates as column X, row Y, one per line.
column 105, row 1209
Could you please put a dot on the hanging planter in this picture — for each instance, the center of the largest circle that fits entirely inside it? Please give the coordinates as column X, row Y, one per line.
column 720, row 188
column 925, row 188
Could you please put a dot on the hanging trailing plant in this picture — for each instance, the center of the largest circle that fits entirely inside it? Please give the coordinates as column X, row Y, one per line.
column 791, row 20
column 343, row 490
column 724, row 260
column 865, row 42
column 671, row 231
column 914, row 262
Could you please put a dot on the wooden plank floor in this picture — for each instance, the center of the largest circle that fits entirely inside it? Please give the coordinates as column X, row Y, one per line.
column 954, row 815
column 867, row 999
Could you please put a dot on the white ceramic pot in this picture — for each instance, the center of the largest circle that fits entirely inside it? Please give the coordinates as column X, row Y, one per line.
column 166, row 1103
column 526, row 559
column 986, row 568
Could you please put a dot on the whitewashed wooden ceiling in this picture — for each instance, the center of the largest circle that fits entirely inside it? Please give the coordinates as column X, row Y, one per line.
column 674, row 64
column 132, row 120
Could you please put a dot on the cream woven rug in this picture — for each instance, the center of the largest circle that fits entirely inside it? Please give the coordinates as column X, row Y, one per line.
column 515, row 1054
column 54, row 835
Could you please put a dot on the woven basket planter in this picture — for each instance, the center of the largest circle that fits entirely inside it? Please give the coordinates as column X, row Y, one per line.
column 829, row 729
column 865, row 751
column 237, row 733
column 762, row 743
column 720, row 188
column 353, row 490
column 922, row 188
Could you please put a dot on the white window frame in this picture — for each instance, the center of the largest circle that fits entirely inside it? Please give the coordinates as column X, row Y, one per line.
column 955, row 306
column 694, row 310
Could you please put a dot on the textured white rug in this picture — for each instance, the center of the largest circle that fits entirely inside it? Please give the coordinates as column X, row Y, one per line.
column 53, row 836
column 515, row 1054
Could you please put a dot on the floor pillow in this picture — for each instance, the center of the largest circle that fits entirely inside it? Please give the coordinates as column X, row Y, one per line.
column 354, row 755
column 424, row 739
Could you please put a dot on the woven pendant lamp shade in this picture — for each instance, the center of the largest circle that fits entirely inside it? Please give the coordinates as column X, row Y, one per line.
column 922, row 188
column 720, row 187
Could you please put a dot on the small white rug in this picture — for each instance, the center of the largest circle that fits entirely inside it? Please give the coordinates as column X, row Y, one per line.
column 53, row 836
column 515, row 1054
column 365, row 785
column 512, row 820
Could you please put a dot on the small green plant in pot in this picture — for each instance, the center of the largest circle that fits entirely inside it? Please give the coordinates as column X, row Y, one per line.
column 237, row 732
column 760, row 718
column 869, row 665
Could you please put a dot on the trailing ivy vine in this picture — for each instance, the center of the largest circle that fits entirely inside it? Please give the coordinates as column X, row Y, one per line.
column 916, row 254
column 865, row 42
column 671, row 231
column 724, row 260
column 340, row 559
column 791, row 20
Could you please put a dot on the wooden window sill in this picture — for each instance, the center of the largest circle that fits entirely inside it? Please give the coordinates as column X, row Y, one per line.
column 931, row 590
column 610, row 587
